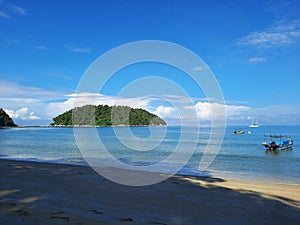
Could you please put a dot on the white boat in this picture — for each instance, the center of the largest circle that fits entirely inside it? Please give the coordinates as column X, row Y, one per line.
column 254, row 124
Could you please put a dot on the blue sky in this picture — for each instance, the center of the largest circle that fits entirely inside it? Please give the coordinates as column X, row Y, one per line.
column 252, row 47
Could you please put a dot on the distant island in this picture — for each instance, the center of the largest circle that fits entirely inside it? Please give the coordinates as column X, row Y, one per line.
column 5, row 120
column 101, row 115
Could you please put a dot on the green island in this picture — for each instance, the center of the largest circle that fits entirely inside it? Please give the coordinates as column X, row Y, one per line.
column 5, row 120
column 104, row 115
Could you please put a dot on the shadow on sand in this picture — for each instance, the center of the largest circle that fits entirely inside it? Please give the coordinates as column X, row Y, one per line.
column 40, row 193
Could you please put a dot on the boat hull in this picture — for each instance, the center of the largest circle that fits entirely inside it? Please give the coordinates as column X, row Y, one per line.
column 284, row 142
column 270, row 147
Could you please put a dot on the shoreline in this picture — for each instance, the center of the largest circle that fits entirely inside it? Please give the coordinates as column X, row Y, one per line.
column 48, row 193
column 256, row 178
column 214, row 173
column 81, row 126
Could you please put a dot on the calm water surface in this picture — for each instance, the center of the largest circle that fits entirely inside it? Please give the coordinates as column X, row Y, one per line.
column 241, row 156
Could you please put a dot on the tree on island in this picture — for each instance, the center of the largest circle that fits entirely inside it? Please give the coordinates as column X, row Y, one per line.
column 104, row 115
column 5, row 120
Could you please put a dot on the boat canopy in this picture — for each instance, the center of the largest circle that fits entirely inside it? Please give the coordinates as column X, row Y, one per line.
column 277, row 136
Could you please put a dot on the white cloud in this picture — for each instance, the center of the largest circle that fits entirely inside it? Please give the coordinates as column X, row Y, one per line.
column 59, row 76
column 33, row 117
column 237, row 118
column 166, row 112
column 204, row 110
column 19, row 10
column 257, row 59
column 86, row 98
column 13, row 41
column 9, row 112
column 267, row 39
column 22, row 114
column 12, row 9
column 13, row 90
column 41, row 47
column 4, row 15
column 48, row 104
column 282, row 33
column 78, row 50
column 30, row 104
column 18, row 98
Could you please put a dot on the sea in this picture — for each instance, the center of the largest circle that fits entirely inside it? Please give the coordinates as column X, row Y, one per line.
column 167, row 149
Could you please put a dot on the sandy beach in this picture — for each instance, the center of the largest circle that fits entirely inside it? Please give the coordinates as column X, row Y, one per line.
column 43, row 193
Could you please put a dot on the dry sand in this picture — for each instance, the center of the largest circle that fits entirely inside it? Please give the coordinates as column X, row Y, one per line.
column 42, row 193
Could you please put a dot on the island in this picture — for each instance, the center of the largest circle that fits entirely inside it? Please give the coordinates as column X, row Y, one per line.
column 104, row 115
column 5, row 120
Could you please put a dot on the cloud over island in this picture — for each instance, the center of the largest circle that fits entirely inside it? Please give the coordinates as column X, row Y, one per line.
column 26, row 103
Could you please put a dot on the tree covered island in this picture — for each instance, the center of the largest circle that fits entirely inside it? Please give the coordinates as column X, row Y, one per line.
column 104, row 115
column 5, row 120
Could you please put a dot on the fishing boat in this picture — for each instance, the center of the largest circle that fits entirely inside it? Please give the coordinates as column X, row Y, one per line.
column 277, row 142
column 238, row 131
column 254, row 124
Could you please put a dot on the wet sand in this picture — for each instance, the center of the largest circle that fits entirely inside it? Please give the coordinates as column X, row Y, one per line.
column 43, row 193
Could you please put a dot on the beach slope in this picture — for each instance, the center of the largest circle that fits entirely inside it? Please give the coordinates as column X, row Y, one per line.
column 43, row 193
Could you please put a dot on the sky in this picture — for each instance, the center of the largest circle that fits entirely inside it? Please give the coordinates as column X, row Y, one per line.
column 251, row 47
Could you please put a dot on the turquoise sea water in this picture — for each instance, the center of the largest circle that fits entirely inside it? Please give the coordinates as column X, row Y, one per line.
column 240, row 156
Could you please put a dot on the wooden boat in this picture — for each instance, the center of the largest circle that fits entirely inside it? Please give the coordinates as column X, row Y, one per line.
column 277, row 142
column 240, row 131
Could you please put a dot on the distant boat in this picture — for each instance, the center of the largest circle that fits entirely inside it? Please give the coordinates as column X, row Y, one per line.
column 238, row 131
column 254, row 124
column 277, row 142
